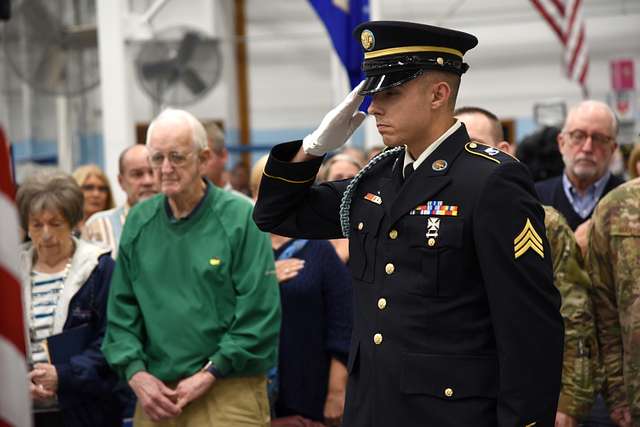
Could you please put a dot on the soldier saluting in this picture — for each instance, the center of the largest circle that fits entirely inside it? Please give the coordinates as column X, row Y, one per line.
column 457, row 320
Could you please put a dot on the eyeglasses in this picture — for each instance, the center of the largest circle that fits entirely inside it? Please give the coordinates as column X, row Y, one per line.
column 93, row 187
column 176, row 159
column 579, row 137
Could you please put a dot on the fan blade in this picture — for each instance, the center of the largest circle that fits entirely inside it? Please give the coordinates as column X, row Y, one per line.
column 81, row 37
column 192, row 80
column 187, row 46
column 41, row 21
column 50, row 71
column 159, row 70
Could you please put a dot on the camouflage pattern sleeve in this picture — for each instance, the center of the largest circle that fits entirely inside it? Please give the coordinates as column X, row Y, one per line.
column 613, row 262
column 580, row 377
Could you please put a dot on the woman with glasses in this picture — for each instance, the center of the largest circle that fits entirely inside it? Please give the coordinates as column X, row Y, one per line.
column 95, row 189
column 65, row 289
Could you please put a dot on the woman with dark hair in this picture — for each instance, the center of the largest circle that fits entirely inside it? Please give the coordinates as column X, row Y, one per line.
column 65, row 294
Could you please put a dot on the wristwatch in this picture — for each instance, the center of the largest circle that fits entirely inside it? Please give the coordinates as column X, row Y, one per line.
column 210, row 367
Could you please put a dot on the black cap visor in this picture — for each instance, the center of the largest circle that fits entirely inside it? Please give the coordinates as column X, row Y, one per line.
column 375, row 84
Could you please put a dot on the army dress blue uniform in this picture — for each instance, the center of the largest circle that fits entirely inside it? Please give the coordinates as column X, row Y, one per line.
column 452, row 329
column 456, row 318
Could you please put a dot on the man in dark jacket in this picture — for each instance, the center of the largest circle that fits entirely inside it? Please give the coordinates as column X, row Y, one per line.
column 587, row 142
column 456, row 317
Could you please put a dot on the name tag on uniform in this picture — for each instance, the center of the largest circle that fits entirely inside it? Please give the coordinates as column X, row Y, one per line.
column 435, row 208
column 373, row 198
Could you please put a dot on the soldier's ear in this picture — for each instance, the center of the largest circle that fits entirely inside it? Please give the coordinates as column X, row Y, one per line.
column 440, row 94
column 506, row 147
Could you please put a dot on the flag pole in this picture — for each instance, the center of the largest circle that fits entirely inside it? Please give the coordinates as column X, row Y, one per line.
column 371, row 136
column 242, row 79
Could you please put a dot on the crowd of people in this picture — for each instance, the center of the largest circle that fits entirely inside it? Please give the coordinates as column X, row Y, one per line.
column 429, row 282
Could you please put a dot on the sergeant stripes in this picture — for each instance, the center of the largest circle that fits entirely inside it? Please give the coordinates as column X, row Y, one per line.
column 528, row 239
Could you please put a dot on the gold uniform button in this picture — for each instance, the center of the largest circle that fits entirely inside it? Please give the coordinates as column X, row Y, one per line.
column 393, row 234
column 389, row 268
column 360, row 226
column 473, row 145
column 377, row 338
column 382, row 303
column 448, row 392
column 431, row 241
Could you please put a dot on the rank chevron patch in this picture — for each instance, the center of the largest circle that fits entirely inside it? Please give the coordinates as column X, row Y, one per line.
column 528, row 239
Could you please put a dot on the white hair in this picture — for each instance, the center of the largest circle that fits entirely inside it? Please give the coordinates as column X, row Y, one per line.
column 198, row 134
column 590, row 105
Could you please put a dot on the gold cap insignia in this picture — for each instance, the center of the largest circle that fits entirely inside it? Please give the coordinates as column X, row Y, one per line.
column 440, row 61
column 215, row 261
column 367, row 39
column 439, row 165
column 528, row 239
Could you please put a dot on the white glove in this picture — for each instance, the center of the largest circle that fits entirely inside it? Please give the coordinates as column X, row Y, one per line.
column 337, row 126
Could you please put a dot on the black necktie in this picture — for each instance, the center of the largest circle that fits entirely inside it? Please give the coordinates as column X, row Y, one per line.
column 408, row 170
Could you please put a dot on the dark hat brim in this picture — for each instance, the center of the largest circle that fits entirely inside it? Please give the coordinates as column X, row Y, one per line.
column 375, row 84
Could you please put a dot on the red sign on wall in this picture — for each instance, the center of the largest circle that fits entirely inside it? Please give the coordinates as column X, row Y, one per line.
column 622, row 74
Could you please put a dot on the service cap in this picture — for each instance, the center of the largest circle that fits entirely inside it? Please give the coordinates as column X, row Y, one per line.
column 396, row 52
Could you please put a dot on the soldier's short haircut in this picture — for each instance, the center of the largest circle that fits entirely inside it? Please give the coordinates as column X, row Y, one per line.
column 451, row 79
column 497, row 126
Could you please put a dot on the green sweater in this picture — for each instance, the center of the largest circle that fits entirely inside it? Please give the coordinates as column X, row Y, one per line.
column 191, row 290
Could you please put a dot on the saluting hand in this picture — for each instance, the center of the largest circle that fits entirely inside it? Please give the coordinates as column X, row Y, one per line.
column 337, row 126
column 157, row 400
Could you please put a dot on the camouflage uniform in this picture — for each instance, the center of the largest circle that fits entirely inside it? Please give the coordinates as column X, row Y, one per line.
column 613, row 261
column 580, row 360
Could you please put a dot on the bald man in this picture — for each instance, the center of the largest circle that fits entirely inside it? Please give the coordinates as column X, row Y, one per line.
column 135, row 177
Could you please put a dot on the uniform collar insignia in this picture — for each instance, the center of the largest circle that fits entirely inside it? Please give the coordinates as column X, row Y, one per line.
column 439, row 165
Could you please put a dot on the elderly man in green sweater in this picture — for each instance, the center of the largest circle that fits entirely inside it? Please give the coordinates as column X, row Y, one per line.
column 194, row 310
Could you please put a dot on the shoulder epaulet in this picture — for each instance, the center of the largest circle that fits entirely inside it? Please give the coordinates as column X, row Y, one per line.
column 488, row 152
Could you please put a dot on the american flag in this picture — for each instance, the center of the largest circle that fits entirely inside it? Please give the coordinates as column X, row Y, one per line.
column 15, row 403
column 567, row 21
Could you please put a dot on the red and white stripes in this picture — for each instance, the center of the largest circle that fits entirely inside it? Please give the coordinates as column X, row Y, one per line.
column 566, row 19
column 15, row 403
